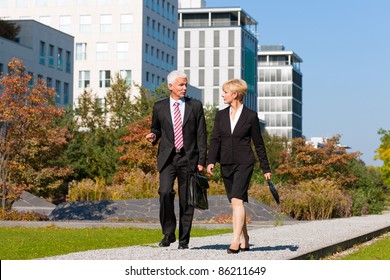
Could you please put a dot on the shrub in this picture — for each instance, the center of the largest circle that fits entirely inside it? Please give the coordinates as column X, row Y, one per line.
column 367, row 201
column 12, row 215
column 88, row 189
column 132, row 184
column 308, row 200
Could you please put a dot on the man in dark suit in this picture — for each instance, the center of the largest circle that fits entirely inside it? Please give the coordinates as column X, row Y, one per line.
column 179, row 123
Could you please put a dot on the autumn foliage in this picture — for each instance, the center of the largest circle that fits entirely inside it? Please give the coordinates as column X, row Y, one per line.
column 302, row 161
column 31, row 136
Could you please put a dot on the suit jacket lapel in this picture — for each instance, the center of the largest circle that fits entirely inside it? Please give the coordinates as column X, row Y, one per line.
column 241, row 121
column 187, row 110
column 167, row 112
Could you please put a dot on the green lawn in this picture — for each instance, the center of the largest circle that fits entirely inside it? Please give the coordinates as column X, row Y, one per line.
column 30, row 243
column 379, row 250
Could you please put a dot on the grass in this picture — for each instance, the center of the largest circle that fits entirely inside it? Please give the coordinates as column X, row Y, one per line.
column 18, row 243
column 379, row 250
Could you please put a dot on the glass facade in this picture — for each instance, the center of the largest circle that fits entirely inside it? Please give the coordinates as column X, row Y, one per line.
column 280, row 92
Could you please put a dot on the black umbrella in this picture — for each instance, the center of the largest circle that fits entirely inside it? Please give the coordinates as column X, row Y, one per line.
column 273, row 191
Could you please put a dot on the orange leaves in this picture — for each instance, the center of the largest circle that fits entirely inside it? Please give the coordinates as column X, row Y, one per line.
column 32, row 134
column 136, row 150
column 302, row 162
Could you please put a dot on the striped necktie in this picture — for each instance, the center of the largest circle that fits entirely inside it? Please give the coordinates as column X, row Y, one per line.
column 178, row 130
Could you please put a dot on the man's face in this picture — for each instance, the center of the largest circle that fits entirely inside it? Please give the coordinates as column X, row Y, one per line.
column 178, row 88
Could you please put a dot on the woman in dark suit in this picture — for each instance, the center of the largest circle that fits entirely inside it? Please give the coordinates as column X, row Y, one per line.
column 234, row 129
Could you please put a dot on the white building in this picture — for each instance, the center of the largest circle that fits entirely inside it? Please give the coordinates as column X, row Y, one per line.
column 280, row 91
column 214, row 45
column 46, row 53
column 136, row 38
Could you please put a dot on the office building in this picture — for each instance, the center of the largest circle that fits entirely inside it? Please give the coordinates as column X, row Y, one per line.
column 134, row 38
column 214, row 45
column 280, row 91
column 46, row 53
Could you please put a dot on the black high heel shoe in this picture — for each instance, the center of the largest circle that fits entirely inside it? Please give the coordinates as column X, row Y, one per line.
column 245, row 248
column 232, row 251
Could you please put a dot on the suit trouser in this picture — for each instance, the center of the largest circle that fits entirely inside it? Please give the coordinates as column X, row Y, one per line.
column 177, row 168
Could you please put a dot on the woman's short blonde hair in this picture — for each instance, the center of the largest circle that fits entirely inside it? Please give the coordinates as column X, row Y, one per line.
column 237, row 86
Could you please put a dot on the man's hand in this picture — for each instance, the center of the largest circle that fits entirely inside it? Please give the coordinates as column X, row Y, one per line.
column 151, row 137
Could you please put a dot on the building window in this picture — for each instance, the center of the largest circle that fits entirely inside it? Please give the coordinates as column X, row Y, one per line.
column 68, row 60
column 81, row 51
column 60, row 59
column 216, row 38
column 85, row 24
column 105, row 23
column 230, row 57
column 126, row 22
column 84, row 79
column 49, row 82
column 101, row 51
column 188, row 73
column 216, row 77
column 66, row 94
column 122, row 50
column 201, row 58
column 230, row 74
column 104, row 78
column 187, row 58
column 202, row 39
column 231, row 38
column 42, row 52
column 51, row 55
column 126, row 75
column 187, row 39
column 41, row 3
column 65, row 24
column 58, row 91
column 46, row 20
column 216, row 57
column 201, row 77
column 216, row 97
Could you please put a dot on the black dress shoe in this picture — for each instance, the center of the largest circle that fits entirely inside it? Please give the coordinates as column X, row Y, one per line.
column 183, row 246
column 167, row 240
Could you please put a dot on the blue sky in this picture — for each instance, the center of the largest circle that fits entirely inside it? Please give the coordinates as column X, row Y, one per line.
column 345, row 47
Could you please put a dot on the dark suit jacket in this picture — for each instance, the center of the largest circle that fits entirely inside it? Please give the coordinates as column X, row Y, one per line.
column 228, row 148
column 194, row 132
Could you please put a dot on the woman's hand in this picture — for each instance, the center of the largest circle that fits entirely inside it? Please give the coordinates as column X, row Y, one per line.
column 210, row 168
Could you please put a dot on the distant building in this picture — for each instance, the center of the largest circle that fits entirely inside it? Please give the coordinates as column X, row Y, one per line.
column 217, row 44
column 46, row 53
column 136, row 39
column 318, row 142
column 280, row 91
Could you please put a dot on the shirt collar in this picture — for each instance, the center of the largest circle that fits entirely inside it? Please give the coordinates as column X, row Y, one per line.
column 172, row 101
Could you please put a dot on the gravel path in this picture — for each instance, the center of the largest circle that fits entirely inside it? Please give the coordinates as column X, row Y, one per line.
column 268, row 243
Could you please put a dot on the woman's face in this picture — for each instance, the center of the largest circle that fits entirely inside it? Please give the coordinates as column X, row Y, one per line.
column 228, row 97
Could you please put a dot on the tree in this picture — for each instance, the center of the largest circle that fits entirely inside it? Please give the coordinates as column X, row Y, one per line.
column 383, row 153
column 32, row 136
column 9, row 30
column 118, row 104
column 301, row 161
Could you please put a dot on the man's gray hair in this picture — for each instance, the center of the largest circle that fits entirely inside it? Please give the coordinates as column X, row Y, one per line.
column 174, row 75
